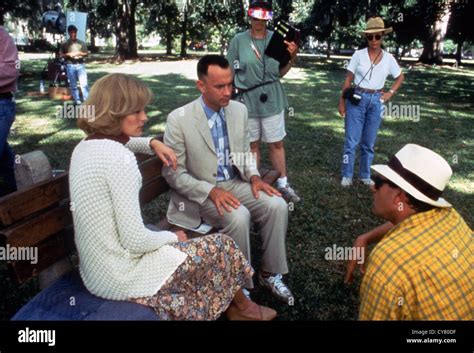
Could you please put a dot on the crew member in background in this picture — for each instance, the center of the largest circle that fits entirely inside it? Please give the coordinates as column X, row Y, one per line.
column 257, row 76
column 74, row 51
column 9, row 71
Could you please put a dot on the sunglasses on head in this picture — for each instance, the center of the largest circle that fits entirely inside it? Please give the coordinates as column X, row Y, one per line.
column 371, row 36
column 379, row 181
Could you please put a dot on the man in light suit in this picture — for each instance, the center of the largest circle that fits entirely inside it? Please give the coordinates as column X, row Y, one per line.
column 217, row 180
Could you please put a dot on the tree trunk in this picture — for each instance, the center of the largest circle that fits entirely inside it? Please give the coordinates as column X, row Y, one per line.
column 459, row 51
column 184, row 33
column 126, row 47
column 169, row 37
column 93, row 47
column 328, row 52
column 133, row 30
column 433, row 46
column 223, row 44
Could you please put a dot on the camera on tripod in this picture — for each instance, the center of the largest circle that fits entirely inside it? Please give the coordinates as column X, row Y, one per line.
column 54, row 22
column 54, row 71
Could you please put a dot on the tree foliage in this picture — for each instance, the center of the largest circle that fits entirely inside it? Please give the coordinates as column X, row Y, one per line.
column 212, row 23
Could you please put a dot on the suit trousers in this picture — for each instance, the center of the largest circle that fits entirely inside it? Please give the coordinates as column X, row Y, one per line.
column 269, row 212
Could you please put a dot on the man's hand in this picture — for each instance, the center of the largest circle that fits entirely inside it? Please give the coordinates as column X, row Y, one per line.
column 165, row 153
column 342, row 107
column 223, row 200
column 74, row 54
column 360, row 242
column 258, row 184
column 181, row 236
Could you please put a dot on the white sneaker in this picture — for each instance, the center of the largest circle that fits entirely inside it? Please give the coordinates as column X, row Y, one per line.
column 345, row 182
column 367, row 181
column 279, row 289
column 288, row 193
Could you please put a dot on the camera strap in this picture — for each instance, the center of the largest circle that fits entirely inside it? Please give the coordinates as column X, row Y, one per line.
column 260, row 54
column 372, row 66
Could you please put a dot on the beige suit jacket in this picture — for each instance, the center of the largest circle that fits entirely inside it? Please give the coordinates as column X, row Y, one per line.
column 188, row 134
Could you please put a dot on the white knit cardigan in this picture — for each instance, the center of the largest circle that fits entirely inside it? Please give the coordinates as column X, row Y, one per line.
column 119, row 258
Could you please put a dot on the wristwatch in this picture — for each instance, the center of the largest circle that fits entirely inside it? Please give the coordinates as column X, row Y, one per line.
column 154, row 138
column 392, row 91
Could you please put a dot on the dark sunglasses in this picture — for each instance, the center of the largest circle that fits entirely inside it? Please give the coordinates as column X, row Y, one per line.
column 371, row 36
column 379, row 181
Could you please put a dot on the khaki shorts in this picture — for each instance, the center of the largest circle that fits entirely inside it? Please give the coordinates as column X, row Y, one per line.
column 268, row 130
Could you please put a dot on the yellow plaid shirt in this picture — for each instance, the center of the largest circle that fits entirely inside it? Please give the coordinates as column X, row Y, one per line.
column 421, row 270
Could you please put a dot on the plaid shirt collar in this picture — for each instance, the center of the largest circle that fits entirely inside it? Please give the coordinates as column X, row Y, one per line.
column 211, row 114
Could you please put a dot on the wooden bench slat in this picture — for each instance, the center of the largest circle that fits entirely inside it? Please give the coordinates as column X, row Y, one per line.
column 50, row 251
column 141, row 157
column 150, row 169
column 20, row 204
column 153, row 189
column 33, row 231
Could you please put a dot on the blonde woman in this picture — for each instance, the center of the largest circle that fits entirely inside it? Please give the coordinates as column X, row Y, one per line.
column 120, row 259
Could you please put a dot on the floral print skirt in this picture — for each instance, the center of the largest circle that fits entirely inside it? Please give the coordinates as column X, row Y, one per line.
column 203, row 286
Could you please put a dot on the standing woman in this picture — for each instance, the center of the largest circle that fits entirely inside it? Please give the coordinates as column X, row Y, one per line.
column 368, row 69
column 258, row 77
column 121, row 259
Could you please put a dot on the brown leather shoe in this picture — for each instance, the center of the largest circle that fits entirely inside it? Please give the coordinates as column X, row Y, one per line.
column 266, row 314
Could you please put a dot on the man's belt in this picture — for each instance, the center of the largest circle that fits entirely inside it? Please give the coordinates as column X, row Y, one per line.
column 78, row 61
column 6, row 95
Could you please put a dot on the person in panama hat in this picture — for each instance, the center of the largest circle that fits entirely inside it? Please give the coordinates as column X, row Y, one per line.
column 418, row 269
column 363, row 110
column 376, row 25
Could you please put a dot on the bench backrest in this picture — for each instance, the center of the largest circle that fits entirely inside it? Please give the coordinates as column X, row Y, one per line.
column 40, row 216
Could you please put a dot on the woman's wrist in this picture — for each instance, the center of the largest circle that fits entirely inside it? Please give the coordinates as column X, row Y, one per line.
column 154, row 142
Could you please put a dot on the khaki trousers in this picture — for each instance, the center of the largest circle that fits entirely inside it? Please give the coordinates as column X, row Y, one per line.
column 269, row 212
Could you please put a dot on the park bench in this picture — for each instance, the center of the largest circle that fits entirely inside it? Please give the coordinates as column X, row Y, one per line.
column 40, row 216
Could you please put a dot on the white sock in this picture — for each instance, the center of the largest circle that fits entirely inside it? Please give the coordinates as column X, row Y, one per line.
column 282, row 182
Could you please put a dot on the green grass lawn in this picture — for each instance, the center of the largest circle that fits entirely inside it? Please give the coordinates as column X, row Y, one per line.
column 327, row 214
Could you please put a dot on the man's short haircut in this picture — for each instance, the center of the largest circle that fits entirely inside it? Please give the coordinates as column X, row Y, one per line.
column 208, row 60
column 71, row 28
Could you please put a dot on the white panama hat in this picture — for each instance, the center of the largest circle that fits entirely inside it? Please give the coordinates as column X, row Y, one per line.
column 420, row 172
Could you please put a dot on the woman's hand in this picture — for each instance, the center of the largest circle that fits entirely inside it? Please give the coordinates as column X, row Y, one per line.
column 166, row 154
column 292, row 48
column 181, row 236
column 386, row 96
column 342, row 107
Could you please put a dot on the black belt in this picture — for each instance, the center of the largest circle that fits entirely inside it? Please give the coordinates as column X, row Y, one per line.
column 75, row 62
column 243, row 90
column 6, row 95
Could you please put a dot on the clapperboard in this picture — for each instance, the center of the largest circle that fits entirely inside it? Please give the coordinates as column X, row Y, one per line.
column 277, row 49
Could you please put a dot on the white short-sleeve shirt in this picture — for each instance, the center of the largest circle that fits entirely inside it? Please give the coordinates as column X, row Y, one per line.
column 360, row 63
